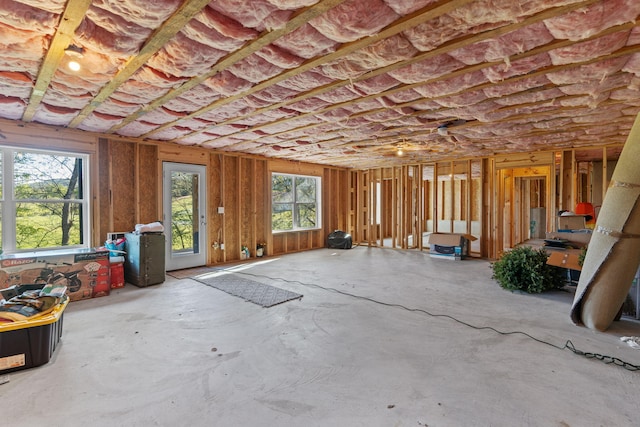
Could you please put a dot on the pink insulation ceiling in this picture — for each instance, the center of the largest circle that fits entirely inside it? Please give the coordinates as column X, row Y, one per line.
column 342, row 83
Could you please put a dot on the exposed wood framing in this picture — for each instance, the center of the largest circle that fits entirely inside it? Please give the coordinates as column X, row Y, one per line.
column 73, row 15
column 605, row 180
column 156, row 41
column 418, row 17
column 264, row 39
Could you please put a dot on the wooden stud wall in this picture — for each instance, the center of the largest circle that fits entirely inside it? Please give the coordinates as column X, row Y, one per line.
column 103, row 221
column 123, row 205
column 120, row 194
column 231, row 200
column 487, row 214
column 148, row 180
column 126, row 190
column 215, row 185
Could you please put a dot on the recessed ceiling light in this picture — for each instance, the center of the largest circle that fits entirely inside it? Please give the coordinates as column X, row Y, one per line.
column 74, row 66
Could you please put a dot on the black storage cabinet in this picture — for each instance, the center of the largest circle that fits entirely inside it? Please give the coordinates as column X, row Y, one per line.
column 144, row 262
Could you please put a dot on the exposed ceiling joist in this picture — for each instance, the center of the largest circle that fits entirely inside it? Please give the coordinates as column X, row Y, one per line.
column 252, row 47
column 554, row 45
column 158, row 39
column 409, row 21
column 69, row 21
column 447, row 47
column 339, row 82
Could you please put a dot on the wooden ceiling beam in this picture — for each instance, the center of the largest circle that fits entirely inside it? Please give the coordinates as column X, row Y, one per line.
column 156, row 41
column 627, row 50
column 69, row 21
column 409, row 21
column 250, row 48
column 393, row 139
column 445, row 48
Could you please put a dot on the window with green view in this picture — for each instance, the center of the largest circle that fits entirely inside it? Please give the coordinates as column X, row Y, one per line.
column 295, row 202
column 43, row 197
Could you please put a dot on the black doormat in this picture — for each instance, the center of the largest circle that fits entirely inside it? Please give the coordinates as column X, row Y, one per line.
column 249, row 290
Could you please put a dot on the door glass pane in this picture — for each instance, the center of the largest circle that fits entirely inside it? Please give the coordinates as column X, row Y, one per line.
column 184, row 212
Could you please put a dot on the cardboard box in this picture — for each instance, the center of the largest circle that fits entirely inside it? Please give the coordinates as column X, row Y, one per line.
column 450, row 246
column 571, row 222
column 80, row 270
column 565, row 259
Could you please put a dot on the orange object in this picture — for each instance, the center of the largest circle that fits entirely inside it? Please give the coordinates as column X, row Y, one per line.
column 565, row 259
column 586, row 209
column 102, row 287
column 117, row 275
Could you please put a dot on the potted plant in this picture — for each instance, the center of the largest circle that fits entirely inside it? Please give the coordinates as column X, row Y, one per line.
column 526, row 269
column 244, row 252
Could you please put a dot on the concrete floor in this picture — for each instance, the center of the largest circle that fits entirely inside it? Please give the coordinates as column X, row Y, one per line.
column 185, row 354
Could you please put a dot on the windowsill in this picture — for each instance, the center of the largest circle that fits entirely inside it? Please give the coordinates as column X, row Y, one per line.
column 297, row 230
column 50, row 251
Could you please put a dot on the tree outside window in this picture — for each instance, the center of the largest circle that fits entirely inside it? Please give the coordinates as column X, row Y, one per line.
column 294, row 202
column 43, row 201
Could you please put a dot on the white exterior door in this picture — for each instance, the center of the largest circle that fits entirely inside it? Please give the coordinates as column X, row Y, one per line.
column 184, row 215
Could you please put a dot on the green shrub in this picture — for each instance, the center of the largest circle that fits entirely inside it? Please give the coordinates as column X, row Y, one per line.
column 526, row 269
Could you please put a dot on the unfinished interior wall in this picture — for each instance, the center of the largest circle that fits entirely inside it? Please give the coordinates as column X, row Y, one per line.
column 127, row 189
column 391, row 207
column 239, row 191
column 475, row 197
column 429, row 191
column 128, row 179
column 399, row 207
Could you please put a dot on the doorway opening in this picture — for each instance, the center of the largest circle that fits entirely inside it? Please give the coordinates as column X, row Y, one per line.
column 524, row 195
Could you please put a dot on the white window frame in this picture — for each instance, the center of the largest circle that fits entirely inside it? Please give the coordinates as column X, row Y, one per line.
column 8, row 202
column 318, row 181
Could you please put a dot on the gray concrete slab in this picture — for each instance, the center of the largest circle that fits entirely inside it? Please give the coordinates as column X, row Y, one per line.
column 184, row 354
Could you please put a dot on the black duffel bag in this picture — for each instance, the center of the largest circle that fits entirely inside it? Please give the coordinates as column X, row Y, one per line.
column 339, row 240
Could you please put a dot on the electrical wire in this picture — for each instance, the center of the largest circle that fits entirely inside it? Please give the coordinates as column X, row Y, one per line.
column 567, row 346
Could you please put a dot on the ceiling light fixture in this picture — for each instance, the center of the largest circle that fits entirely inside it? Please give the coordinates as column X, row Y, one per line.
column 75, row 53
column 400, row 152
column 73, row 65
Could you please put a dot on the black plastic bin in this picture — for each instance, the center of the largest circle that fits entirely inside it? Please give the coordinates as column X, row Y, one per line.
column 30, row 343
